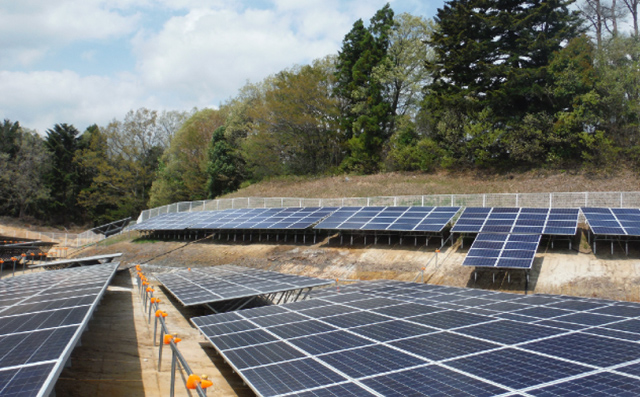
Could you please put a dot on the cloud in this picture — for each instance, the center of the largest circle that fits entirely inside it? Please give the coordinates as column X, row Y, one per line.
column 206, row 55
column 41, row 99
column 186, row 52
column 31, row 28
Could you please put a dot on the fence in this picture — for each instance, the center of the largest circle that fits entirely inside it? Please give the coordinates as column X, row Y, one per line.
column 540, row 200
column 73, row 240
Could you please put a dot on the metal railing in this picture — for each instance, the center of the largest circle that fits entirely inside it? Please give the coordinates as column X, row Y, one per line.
column 537, row 200
column 73, row 240
column 151, row 306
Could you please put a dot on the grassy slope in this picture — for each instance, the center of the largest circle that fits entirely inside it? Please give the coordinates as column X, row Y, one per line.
column 392, row 184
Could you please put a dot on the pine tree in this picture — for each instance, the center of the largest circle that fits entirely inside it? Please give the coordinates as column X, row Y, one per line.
column 366, row 112
column 494, row 54
column 225, row 169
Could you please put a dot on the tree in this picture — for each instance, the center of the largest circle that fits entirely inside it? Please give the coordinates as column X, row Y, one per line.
column 124, row 158
column 293, row 129
column 494, row 54
column 225, row 169
column 604, row 16
column 63, row 177
column 182, row 171
column 21, row 174
column 9, row 133
column 404, row 72
column 367, row 113
column 632, row 6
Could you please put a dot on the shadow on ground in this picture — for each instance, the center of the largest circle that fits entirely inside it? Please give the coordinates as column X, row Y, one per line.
column 107, row 362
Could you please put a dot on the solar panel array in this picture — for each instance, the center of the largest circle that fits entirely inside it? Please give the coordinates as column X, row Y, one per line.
column 87, row 260
column 42, row 316
column 422, row 219
column 220, row 283
column 554, row 221
column 404, row 339
column 510, row 251
column 613, row 221
column 245, row 218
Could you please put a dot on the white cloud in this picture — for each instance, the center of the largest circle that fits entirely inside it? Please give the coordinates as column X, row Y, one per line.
column 209, row 53
column 200, row 54
column 31, row 28
column 41, row 99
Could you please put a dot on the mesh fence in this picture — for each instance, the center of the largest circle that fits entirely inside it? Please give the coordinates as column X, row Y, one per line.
column 536, row 200
column 72, row 240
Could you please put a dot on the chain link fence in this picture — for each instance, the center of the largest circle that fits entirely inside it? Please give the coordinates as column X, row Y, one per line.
column 536, row 200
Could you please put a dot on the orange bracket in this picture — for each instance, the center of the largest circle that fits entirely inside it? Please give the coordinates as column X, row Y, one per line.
column 192, row 381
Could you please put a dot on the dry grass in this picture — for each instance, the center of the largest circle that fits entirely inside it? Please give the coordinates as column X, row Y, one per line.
column 394, row 184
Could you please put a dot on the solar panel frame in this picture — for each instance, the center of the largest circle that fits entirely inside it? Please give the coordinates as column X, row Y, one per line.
column 221, row 283
column 457, row 341
column 44, row 364
column 550, row 221
column 396, row 219
column 509, row 251
column 613, row 221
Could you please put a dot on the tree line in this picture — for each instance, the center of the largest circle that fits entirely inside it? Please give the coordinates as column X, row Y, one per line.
column 491, row 84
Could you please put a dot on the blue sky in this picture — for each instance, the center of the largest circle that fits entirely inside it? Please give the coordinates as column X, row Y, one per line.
column 90, row 61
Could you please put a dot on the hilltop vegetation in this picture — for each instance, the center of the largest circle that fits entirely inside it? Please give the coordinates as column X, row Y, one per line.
column 486, row 87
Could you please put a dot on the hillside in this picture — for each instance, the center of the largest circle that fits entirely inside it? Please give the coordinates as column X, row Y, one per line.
column 469, row 182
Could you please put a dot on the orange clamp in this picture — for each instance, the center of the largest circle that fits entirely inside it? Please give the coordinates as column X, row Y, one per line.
column 158, row 313
column 205, row 382
column 153, row 300
column 164, row 314
column 192, row 381
column 167, row 339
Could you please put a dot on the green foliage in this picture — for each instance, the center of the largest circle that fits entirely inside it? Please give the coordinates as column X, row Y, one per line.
column 123, row 157
column 599, row 151
column 63, row 178
column 22, row 171
column 182, row 169
column 293, row 128
column 225, row 169
column 495, row 53
column 407, row 152
column 9, row 137
column 367, row 111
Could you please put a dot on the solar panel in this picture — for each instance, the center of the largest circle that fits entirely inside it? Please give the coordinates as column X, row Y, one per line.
column 613, row 221
column 87, row 260
column 424, row 347
column 401, row 219
column 42, row 316
column 511, row 251
column 220, row 283
column 236, row 219
column 555, row 221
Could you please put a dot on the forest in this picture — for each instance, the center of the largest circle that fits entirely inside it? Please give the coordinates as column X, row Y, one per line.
column 485, row 85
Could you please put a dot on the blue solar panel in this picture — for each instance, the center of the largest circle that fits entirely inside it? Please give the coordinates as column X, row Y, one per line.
column 424, row 219
column 514, row 251
column 518, row 220
column 613, row 221
column 422, row 349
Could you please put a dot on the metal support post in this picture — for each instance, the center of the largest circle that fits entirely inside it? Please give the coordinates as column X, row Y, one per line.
column 173, row 374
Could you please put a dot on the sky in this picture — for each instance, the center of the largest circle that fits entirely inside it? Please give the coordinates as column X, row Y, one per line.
column 85, row 62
